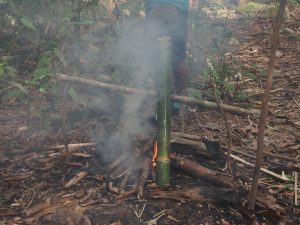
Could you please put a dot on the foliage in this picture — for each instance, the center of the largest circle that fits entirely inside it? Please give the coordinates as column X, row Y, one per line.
column 293, row 2
column 218, row 72
column 9, row 87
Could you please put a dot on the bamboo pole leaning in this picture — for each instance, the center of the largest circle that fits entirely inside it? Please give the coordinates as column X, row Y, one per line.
column 176, row 98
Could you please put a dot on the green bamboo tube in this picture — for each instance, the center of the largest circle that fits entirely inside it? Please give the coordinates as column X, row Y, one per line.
column 163, row 85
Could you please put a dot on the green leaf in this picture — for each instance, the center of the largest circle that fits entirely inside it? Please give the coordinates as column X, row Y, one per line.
column 16, row 92
column 194, row 93
column 27, row 23
column 83, row 23
column 73, row 94
column 60, row 56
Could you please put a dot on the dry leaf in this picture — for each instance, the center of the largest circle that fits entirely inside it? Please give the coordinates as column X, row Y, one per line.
column 224, row 222
column 117, row 223
column 38, row 215
column 76, row 179
column 17, row 178
column 8, row 196
column 37, row 208
column 84, row 221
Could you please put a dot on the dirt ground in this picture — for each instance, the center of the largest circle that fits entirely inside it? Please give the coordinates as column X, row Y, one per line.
column 34, row 177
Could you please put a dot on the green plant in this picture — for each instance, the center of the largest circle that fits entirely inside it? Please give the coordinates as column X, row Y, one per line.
column 293, row 2
column 10, row 87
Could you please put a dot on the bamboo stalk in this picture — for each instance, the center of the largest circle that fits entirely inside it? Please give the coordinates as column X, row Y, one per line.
column 163, row 113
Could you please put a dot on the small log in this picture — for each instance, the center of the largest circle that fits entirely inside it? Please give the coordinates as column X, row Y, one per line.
column 195, row 170
column 216, row 195
column 177, row 98
column 190, row 147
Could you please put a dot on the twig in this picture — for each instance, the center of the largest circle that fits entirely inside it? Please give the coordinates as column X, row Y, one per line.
column 262, row 169
column 296, row 103
column 139, row 213
column 229, row 136
column 157, row 216
column 264, row 108
column 71, row 146
column 31, row 200
column 177, row 98
column 296, row 188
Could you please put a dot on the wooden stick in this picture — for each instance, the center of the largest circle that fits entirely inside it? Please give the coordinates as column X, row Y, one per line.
column 71, row 146
column 177, row 98
column 264, row 108
column 262, row 169
column 296, row 188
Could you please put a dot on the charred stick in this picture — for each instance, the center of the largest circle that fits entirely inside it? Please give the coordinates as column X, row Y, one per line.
column 127, row 193
column 117, row 162
column 143, row 177
column 125, row 179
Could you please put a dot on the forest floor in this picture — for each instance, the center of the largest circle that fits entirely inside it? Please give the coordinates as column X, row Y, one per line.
column 34, row 177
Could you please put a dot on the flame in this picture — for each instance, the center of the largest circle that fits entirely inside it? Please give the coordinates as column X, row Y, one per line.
column 155, row 151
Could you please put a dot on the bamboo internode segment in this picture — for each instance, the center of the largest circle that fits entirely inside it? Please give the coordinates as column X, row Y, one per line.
column 176, row 98
column 163, row 93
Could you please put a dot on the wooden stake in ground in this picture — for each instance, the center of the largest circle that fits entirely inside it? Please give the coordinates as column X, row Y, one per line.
column 163, row 85
column 264, row 107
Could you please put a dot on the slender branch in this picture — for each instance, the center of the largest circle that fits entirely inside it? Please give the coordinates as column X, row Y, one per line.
column 229, row 136
column 264, row 108
column 177, row 98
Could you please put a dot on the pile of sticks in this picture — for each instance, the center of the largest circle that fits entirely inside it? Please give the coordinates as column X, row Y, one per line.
column 136, row 168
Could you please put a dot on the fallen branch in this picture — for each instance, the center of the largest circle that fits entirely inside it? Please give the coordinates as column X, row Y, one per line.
column 262, row 169
column 177, row 98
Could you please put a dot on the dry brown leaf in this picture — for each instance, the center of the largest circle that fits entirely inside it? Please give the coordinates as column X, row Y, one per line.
column 17, row 178
column 80, row 193
column 38, row 215
column 269, row 202
column 76, row 179
column 224, row 222
column 8, row 196
column 84, row 221
column 37, row 208
column 117, row 223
